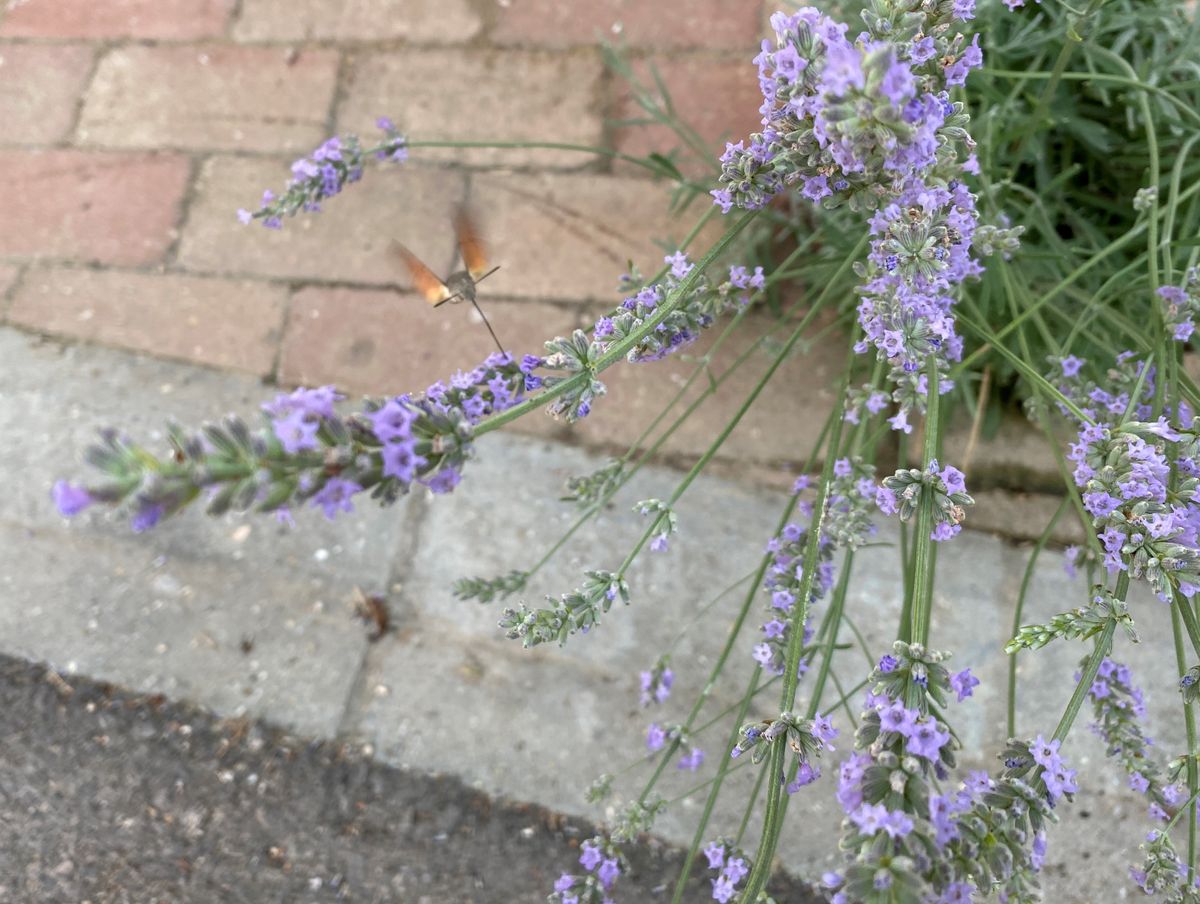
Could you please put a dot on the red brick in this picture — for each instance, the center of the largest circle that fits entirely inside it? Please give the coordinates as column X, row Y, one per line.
column 638, row 23
column 110, row 207
column 388, row 342
column 425, row 21
column 481, row 95
column 718, row 98
column 236, row 98
column 224, row 323
column 782, row 425
column 160, row 19
column 39, row 89
column 570, row 236
column 349, row 240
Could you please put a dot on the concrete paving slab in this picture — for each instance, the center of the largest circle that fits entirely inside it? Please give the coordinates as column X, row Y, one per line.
column 444, row 691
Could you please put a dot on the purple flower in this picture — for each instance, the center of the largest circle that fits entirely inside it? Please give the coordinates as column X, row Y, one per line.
column 1059, row 781
column 692, row 760
column 147, row 515
column 591, row 856
column 336, row 496
column 564, row 882
column 715, row 852
column 1138, row 782
column 898, row 718
column 805, row 775
column 927, row 739
column 886, row 500
column 945, row 531
column 954, row 479
column 443, row 481
column 296, row 431
column 823, row 730
column 723, row 889
column 1071, row 365
column 1045, row 753
column 888, row 663
column 656, row 736
column 608, row 872
column 735, row 870
column 963, row 684
column 70, row 499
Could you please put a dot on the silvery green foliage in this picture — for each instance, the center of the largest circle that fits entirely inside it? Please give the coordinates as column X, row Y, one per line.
column 1163, row 873
column 600, row 789
column 636, row 818
column 991, row 239
column 579, row 610
column 574, row 355
column 485, row 590
column 1143, row 528
column 849, row 504
column 797, row 733
column 665, row 521
column 1145, row 199
column 589, row 489
column 910, row 485
column 1082, row 622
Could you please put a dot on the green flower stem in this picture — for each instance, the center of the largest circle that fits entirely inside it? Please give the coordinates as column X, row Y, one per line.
column 719, row 441
column 1103, row 77
column 922, row 588
column 667, row 754
column 1184, row 608
column 1189, row 724
column 751, row 806
column 1025, row 369
column 558, row 146
column 619, row 349
column 1102, row 648
column 1019, row 610
column 773, row 819
column 739, row 621
column 723, row 769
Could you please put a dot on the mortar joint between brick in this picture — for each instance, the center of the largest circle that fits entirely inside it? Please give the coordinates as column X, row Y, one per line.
column 285, row 322
column 341, row 81
column 9, row 296
column 190, row 189
column 235, row 18
column 71, row 136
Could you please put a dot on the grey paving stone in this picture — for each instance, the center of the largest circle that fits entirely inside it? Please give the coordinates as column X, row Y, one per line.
column 444, row 691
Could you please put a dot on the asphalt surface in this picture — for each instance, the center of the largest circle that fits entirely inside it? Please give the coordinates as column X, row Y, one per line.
column 107, row 796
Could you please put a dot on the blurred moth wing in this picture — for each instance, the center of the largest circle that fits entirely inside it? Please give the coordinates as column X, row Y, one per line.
column 474, row 254
column 424, row 279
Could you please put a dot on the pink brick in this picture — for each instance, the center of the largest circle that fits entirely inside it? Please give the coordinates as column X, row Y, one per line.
column 718, row 98
column 570, row 236
column 111, row 207
column 387, row 342
column 236, row 98
column 424, row 21
column 350, row 240
column 481, row 95
column 225, row 323
column 639, row 23
column 39, row 90
column 160, row 19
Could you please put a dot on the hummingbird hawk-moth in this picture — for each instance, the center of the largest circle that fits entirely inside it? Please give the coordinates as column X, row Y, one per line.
column 459, row 285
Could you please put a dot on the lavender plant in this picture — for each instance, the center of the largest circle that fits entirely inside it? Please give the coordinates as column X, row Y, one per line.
column 1034, row 219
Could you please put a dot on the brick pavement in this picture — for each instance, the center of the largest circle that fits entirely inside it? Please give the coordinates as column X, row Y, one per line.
column 134, row 129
